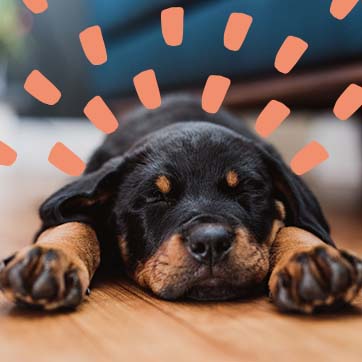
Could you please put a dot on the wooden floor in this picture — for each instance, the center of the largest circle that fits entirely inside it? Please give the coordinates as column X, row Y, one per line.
column 121, row 323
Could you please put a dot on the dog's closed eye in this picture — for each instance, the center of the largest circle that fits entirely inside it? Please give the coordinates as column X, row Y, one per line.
column 162, row 193
column 156, row 197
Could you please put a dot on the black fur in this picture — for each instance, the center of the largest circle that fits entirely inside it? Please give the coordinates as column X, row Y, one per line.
column 117, row 194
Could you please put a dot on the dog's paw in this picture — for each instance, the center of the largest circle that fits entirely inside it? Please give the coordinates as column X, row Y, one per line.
column 321, row 277
column 44, row 277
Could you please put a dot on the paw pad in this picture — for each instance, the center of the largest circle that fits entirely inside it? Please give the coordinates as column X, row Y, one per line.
column 321, row 277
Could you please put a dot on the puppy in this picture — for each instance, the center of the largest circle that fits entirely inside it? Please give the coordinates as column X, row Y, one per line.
column 189, row 205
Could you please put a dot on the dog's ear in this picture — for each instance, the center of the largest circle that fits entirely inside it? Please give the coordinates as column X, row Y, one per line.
column 83, row 199
column 302, row 208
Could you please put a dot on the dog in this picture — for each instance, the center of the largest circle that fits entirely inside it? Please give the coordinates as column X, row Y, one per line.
column 189, row 205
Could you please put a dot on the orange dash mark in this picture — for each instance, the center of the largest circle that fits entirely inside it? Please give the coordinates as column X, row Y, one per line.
column 308, row 157
column 271, row 118
column 41, row 88
column 289, row 53
column 214, row 93
column 172, row 24
column 93, row 45
column 65, row 160
column 100, row 115
column 147, row 89
column 236, row 30
column 36, row 6
column 7, row 155
column 341, row 8
column 348, row 102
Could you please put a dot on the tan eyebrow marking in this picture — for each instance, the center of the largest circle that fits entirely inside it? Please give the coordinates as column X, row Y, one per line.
column 232, row 178
column 164, row 184
column 280, row 209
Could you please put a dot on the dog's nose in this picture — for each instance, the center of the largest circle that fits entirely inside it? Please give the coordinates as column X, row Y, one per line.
column 209, row 243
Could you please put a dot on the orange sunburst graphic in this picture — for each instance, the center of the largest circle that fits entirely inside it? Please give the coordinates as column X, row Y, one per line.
column 66, row 160
column 215, row 90
column 236, row 30
column 172, row 24
column 147, row 89
column 289, row 54
column 271, row 118
column 36, row 6
column 7, row 155
column 349, row 102
column 41, row 88
column 93, row 45
column 100, row 115
column 341, row 8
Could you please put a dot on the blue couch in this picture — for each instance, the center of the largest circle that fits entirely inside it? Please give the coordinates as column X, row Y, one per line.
column 134, row 41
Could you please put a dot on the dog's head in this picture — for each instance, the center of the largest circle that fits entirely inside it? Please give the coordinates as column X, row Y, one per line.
column 195, row 207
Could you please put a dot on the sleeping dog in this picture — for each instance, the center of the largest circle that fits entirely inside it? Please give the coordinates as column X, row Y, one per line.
column 189, row 205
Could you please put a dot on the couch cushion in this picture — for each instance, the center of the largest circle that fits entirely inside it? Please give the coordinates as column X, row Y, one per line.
column 203, row 52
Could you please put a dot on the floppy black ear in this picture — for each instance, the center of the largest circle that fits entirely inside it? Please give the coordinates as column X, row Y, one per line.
column 84, row 199
column 302, row 208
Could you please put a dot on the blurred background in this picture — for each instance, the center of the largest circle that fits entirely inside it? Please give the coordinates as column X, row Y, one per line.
column 131, row 28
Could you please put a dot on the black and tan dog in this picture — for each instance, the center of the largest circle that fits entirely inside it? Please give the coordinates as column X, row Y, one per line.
column 191, row 205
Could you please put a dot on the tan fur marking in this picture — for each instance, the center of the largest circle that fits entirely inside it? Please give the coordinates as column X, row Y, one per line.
column 281, row 209
column 249, row 256
column 76, row 248
column 172, row 263
column 163, row 184
column 85, row 202
column 165, row 263
column 289, row 242
column 124, row 249
column 276, row 227
column 77, row 240
column 232, row 178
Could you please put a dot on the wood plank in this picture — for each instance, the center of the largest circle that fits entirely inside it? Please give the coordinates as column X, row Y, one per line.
column 254, row 330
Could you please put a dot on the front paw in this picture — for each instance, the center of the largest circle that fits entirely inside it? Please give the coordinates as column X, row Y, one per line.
column 323, row 276
column 44, row 277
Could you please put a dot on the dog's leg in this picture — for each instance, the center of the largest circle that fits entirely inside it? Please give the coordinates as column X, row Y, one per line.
column 307, row 273
column 55, row 271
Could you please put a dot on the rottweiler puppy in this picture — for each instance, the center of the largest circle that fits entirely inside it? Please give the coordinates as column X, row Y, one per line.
column 189, row 205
